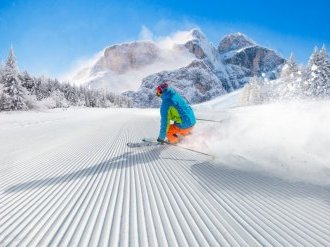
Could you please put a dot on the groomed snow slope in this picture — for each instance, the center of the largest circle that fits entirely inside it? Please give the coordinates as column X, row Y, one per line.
column 68, row 179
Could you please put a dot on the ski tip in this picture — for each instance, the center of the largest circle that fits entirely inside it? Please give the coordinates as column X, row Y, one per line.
column 149, row 140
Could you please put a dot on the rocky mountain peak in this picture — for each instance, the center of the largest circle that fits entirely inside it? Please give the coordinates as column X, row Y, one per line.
column 123, row 57
column 199, row 44
column 197, row 34
column 234, row 41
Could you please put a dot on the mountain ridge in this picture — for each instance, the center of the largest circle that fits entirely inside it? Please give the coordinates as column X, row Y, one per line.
column 184, row 62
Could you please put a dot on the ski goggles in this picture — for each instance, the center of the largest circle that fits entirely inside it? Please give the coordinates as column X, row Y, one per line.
column 159, row 91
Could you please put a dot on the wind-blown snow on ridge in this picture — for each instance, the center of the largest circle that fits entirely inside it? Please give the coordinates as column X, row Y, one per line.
column 288, row 140
column 122, row 67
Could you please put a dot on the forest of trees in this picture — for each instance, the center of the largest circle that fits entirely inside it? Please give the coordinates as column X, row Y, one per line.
column 295, row 82
column 21, row 91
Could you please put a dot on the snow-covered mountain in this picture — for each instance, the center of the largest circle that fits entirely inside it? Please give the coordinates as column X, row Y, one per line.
column 234, row 42
column 196, row 82
column 122, row 67
column 214, row 71
column 237, row 50
column 191, row 64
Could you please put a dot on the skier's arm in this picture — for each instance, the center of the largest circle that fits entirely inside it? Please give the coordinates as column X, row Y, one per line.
column 164, row 121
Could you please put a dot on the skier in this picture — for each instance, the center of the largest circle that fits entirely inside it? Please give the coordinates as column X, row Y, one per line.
column 174, row 108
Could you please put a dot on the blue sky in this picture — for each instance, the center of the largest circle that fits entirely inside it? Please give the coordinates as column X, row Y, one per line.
column 50, row 36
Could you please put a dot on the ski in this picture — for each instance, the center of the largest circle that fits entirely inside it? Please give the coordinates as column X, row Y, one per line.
column 146, row 142
column 150, row 140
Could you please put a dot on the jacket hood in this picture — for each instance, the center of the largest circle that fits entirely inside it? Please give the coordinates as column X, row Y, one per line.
column 167, row 93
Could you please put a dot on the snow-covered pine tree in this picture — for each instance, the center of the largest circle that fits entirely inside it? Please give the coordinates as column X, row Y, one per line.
column 12, row 86
column 41, row 89
column 4, row 98
column 102, row 98
column 90, row 98
column 2, row 66
column 308, row 86
column 81, row 96
column 96, row 97
column 1, row 77
column 1, row 95
column 28, row 82
column 86, row 98
column 325, row 72
column 290, row 80
column 318, row 76
column 51, row 85
column 253, row 92
column 290, row 68
column 59, row 99
column 111, row 97
column 70, row 92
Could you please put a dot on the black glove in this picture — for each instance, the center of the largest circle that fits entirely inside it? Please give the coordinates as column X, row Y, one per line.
column 160, row 140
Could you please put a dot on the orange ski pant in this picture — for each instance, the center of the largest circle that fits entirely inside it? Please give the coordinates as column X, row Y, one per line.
column 174, row 131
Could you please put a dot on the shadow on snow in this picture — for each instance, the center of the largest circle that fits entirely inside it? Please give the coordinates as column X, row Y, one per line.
column 124, row 160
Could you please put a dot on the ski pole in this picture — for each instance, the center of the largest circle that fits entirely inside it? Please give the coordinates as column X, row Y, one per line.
column 209, row 120
column 192, row 150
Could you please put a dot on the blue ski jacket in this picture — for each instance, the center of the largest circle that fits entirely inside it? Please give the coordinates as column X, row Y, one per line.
column 174, row 108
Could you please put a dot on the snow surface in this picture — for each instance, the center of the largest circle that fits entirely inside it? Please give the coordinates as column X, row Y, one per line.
column 69, row 179
column 223, row 102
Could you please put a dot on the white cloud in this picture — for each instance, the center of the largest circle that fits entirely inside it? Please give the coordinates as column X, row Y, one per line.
column 167, row 41
column 179, row 37
column 145, row 34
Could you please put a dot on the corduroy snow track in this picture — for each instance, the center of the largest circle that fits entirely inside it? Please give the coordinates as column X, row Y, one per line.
column 85, row 187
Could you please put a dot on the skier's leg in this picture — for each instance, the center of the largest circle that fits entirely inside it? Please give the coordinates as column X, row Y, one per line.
column 185, row 132
column 172, row 132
